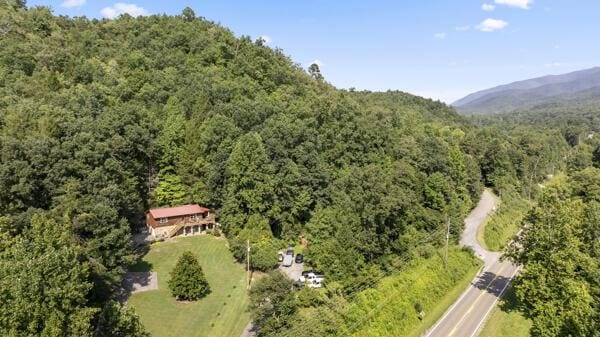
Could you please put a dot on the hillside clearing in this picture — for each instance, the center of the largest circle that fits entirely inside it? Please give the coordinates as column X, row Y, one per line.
column 221, row 313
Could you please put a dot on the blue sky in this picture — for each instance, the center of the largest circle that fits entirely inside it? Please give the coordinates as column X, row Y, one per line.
column 434, row 48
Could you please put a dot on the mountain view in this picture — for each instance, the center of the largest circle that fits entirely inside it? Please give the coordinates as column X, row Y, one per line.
column 580, row 87
column 237, row 169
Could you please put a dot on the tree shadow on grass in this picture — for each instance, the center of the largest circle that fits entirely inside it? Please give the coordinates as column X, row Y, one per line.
column 509, row 302
column 141, row 265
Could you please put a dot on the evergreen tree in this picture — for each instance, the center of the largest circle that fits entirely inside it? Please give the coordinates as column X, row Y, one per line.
column 187, row 279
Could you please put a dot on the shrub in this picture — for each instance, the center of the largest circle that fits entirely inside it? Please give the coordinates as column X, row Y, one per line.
column 187, row 279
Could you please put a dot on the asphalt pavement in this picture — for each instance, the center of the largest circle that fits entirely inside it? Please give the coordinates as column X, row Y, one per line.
column 467, row 315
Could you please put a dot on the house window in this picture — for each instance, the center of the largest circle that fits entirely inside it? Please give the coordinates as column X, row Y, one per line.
column 164, row 220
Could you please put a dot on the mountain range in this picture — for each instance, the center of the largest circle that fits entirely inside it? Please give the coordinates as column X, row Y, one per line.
column 581, row 88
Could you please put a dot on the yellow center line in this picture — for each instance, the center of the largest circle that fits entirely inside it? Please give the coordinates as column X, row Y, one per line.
column 475, row 302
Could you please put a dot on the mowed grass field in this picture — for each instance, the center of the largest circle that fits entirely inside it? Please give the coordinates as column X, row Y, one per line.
column 220, row 314
column 506, row 319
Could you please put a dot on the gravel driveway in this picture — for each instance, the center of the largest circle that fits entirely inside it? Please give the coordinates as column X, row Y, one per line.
column 294, row 271
column 135, row 282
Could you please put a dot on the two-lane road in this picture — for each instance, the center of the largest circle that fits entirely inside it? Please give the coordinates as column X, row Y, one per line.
column 465, row 317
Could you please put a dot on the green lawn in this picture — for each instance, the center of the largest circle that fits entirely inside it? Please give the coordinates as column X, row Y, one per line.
column 390, row 307
column 222, row 313
column 506, row 320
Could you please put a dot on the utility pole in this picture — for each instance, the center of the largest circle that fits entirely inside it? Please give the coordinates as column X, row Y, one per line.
column 447, row 240
column 248, row 263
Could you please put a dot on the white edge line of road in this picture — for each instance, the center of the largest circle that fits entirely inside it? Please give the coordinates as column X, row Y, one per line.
column 439, row 321
column 494, row 303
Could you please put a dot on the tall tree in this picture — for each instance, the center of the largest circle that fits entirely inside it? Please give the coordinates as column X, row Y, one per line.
column 249, row 186
column 554, row 285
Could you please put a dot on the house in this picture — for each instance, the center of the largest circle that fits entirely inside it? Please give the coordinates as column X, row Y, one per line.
column 167, row 222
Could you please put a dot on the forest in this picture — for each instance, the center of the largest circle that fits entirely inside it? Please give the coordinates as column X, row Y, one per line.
column 102, row 119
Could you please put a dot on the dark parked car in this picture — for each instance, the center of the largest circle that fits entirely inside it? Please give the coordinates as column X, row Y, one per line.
column 299, row 258
column 290, row 251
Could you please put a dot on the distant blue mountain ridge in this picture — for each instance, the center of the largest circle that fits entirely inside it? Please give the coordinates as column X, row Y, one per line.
column 581, row 87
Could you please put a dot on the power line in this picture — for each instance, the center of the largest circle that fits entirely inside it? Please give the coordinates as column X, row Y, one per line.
column 428, row 239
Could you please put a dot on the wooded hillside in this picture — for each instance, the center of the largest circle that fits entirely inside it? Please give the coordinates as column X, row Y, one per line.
column 101, row 119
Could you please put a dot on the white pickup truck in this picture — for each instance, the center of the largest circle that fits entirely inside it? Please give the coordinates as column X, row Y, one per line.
column 312, row 280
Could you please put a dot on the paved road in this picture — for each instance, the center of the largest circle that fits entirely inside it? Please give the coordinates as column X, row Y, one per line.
column 466, row 316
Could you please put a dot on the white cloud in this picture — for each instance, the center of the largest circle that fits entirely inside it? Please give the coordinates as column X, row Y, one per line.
column 490, row 25
column 267, row 39
column 72, row 3
column 462, row 28
column 523, row 4
column 440, row 36
column 122, row 8
column 488, row 7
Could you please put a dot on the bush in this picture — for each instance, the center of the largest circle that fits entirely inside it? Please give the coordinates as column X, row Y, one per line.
column 263, row 255
column 187, row 279
column 420, row 287
column 263, row 251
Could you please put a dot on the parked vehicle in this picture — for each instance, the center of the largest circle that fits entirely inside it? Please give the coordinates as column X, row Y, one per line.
column 314, row 284
column 312, row 278
column 288, row 260
column 306, row 272
column 299, row 258
column 280, row 257
column 290, row 251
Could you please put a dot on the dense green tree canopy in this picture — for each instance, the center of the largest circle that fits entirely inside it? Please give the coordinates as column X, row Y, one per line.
column 560, row 283
column 102, row 119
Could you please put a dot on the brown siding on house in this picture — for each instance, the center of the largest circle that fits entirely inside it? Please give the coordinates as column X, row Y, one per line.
column 152, row 222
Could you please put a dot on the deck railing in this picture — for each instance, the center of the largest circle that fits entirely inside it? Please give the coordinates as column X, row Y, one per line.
column 210, row 219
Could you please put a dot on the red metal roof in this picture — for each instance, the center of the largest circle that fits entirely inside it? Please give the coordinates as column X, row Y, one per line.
column 167, row 212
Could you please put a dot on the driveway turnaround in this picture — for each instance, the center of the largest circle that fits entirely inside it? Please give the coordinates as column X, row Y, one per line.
column 466, row 316
column 294, row 271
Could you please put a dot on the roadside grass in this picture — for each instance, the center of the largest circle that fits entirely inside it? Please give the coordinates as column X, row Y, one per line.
column 222, row 313
column 506, row 319
column 390, row 307
column 503, row 224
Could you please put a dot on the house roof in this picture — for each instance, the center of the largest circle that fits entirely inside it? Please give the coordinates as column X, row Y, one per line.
column 167, row 212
